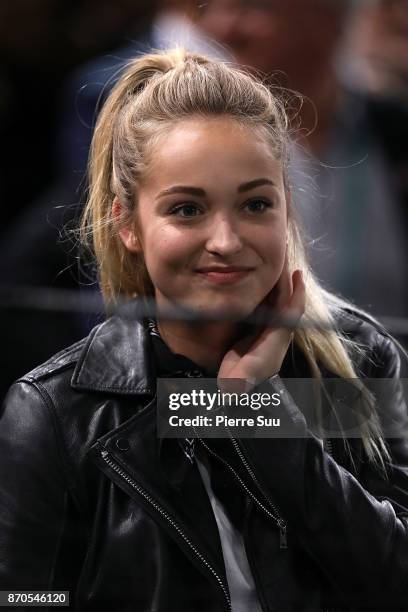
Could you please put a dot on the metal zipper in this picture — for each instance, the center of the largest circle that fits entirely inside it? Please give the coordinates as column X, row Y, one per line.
column 283, row 543
column 106, row 457
column 328, row 446
column 282, row 524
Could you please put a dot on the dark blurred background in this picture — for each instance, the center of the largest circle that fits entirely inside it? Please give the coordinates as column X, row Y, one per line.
column 349, row 177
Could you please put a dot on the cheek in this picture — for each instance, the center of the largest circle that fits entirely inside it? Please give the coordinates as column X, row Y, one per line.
column 274, row 241
column 274, row 252
column 167, row 250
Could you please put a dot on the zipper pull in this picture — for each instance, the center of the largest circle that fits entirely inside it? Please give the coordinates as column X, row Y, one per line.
column 283, row 539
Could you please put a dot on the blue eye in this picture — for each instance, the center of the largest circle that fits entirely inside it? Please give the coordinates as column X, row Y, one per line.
column 258, row 205
column 186, row 211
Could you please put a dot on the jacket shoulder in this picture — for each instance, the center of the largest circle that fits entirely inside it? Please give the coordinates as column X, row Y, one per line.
column 65, row 359
column 377, row 352
column 358, row 324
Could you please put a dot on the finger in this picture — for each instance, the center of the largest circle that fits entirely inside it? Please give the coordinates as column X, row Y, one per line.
column 296, row 307
column 283, row 288
column 289, row 316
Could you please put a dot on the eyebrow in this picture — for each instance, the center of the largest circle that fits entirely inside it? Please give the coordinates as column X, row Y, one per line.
column 198, row 191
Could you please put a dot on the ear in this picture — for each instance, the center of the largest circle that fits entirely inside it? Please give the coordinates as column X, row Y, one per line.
column 127, row 232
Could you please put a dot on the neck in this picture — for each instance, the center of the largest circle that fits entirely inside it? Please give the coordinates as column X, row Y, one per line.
column 205, row 344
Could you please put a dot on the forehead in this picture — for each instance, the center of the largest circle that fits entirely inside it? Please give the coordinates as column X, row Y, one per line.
column 209, row 149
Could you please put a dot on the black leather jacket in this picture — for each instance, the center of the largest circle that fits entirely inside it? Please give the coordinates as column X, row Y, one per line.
column 87, row 505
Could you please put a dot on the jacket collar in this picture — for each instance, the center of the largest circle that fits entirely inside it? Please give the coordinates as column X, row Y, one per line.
column 117, row 356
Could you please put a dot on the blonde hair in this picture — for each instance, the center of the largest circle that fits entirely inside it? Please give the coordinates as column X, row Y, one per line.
column 154, row 91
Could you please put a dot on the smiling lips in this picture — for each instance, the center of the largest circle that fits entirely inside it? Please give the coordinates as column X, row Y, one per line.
column 224, row 275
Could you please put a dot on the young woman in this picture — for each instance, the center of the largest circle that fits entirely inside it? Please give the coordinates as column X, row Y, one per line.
column 190, row 206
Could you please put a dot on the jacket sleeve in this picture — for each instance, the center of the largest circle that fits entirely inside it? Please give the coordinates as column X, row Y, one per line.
column 356, row 530
column 33, row 490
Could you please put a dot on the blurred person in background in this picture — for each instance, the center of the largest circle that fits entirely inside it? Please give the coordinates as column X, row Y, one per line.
column 379, row 47
column 352, row 164
column 41, row 43
column 377, row 60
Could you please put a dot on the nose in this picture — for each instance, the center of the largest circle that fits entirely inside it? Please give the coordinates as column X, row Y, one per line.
column 224, row 237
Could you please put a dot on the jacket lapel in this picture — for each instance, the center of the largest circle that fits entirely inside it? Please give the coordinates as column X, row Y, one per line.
column 130, row 457
column 117, row 357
